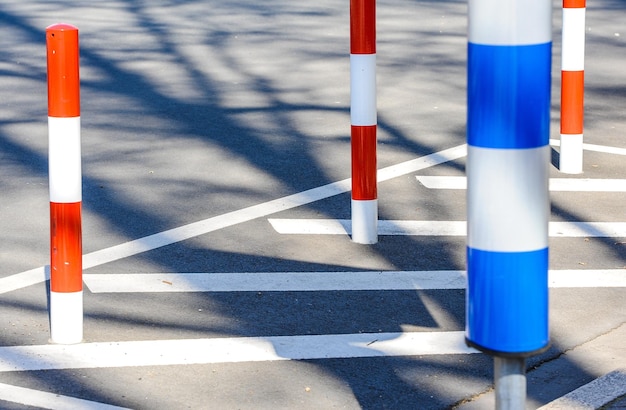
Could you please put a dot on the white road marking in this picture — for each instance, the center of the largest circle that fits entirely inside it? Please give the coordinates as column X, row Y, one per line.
column 274, row 281
column 385, row 227
column 556, row 184
column 442, row 182
column 147, row 243
column 45, row 400
column 24, row 279
column 597, row 148
column 592, row 395
column 230, row 350
column 587, row 278
column 587, row 229
column 438, row 228
column 324, row 281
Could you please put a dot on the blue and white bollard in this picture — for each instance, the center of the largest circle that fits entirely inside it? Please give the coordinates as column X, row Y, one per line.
column 509, row 62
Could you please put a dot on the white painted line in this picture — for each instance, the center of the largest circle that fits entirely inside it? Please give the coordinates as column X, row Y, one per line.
column 442, row 182
column 587, row 278
column 229, row 350
column 45, row 400
column 587, row 185
column 385, row 227
column 587, row 229
column 324, row 281
column 439, row 228
column 592, row 395
column 24, row 279
column 596, row 148
column 424, row 162
column 275, row 281
column 556, row 184
column 192, row 230
column 314, row 226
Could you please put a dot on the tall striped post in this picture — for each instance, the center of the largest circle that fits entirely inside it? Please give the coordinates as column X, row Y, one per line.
column 363, row 120
column 572, row 86
column 508, row 124
column 64, row 167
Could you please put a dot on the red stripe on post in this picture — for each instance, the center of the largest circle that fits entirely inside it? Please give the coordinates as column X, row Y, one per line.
column 362, row 26
column 572, row 95
column 66, row 254
column 574, row 4
column 364, row 162
column 63, row 78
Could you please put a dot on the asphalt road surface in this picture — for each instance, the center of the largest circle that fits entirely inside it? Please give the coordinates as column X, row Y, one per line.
column 207, row 126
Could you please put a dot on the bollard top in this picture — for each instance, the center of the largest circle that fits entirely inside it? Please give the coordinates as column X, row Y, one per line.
column 63, row 66
column 362, row 27
column 61, row 27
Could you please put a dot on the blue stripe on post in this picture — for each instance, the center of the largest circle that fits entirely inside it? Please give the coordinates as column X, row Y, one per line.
column 507, row 301
column 508, row 95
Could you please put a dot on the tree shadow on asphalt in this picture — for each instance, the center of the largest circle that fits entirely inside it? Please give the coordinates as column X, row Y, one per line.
column 390, row 382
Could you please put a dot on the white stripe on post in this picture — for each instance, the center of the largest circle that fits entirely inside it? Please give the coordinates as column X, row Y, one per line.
column 66, row 317
column 64, row 159
column 363, row 89
column 573, row 43
column 65, row 176
column 497, row 22
column 516, row 182
column 364, row 221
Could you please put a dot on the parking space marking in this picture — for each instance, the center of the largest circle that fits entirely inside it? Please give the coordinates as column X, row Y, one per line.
column 230, row 350
column 168, row 237
column 592, row 395
column 324, row 281
column 438, row 228
column 556, row 184
column 274, row 281
column 593, row 147
column 587, row 278
column 45, row 400
column 24, row 279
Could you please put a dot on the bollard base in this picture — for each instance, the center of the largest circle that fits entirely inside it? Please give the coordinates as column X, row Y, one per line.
column 510, row 380
column 571, row 154
column 66, row 317
column 365, row 221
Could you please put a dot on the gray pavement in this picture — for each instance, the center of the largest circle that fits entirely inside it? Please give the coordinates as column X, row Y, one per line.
column 204, row 119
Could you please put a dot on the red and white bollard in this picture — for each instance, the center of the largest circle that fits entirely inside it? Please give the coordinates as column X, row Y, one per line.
column 64, row 167
column 572, row 86
column 364, row 121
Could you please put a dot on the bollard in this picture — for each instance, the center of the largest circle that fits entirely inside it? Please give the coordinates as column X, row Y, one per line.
column 363, row 121
column 508, row 124
column 64, row 167
column 572, row 86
